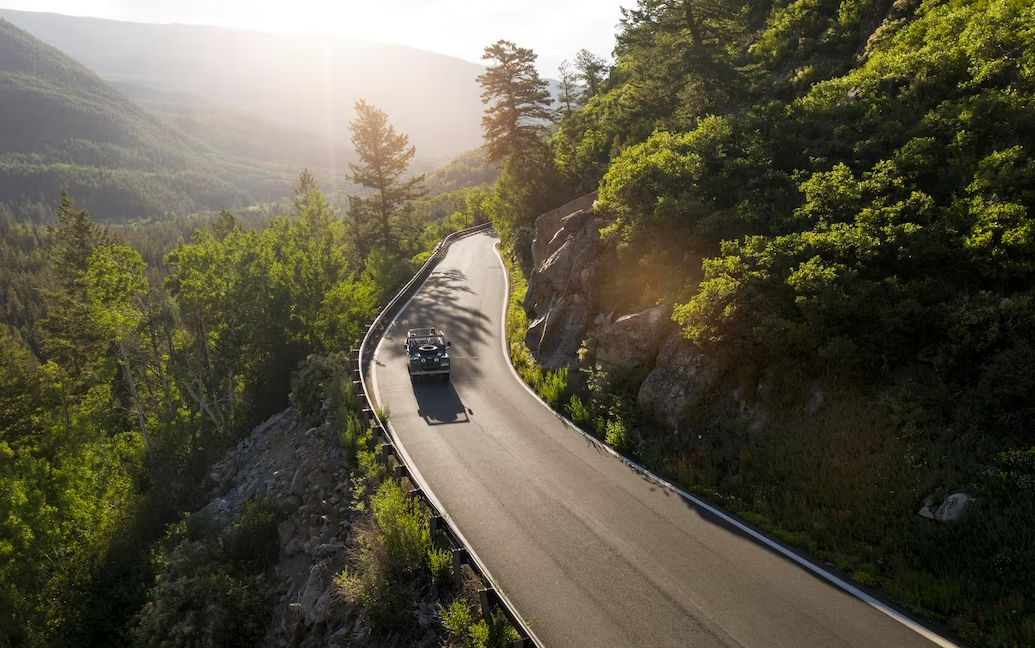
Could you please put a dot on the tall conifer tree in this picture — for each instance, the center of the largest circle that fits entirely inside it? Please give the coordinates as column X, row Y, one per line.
column 384, row 158
column 518, row 102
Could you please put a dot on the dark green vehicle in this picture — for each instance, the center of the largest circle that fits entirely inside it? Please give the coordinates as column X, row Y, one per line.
column 427, row 354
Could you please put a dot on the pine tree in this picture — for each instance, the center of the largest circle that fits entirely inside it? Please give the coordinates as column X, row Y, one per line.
column 592, row 71
column 570, row 97
column 520, row 102
column 75, row 237
column 384, row 158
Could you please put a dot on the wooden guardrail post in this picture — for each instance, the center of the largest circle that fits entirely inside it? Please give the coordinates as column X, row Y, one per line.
column 459, row 560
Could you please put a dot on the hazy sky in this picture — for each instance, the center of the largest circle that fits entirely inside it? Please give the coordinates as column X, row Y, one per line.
column 555, row 29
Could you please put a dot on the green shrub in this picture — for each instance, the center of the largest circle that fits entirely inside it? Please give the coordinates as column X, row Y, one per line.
column 387, row 601
column 316, row 379
column 551, row 386
column 865, row 579
column 617, row 436
column 202, row 602
column 457, row 620
column 464, row 632
column 578, row 412
column 252, row 544
column 496, row 633
column 344, row 399
column 440, row 562
column 403, row 527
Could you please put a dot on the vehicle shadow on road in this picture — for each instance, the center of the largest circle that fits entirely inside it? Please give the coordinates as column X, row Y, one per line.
column 438, row 403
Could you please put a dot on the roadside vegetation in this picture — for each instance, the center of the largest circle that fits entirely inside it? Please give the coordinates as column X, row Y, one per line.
column 131, row 358
column 835, row 199
column 399, row 574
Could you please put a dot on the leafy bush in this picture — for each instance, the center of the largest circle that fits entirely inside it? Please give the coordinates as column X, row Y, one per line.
column 458, row 621
column 617, row 436
column 317, row 379
column 551, row 385
column 252, row 543
column 578, row 412
column 403, row 527
column 464, row 632
column 208, row 594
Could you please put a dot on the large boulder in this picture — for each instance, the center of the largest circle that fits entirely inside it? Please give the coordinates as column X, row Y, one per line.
column 555, row 336
column 551, row 277
column 632, row 341
column 952, row 508
column 683, row 377
column 320, row 581
column 547, row 225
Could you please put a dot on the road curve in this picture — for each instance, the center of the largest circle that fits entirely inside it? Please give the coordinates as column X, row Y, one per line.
column 589, row 552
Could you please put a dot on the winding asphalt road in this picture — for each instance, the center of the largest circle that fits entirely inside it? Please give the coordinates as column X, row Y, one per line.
column 588, row 551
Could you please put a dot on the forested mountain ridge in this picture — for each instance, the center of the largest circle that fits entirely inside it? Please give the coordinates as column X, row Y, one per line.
column 834, row 198
column 65, row 126
column 306, row 82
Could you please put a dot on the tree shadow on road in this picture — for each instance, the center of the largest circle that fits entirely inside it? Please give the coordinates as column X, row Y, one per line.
column 438, row 304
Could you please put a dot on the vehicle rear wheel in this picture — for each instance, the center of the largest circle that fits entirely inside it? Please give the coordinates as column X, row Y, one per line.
column 445, row 377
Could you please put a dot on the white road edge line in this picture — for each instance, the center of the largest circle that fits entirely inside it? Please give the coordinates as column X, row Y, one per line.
column 844, row 585
column 416, row 475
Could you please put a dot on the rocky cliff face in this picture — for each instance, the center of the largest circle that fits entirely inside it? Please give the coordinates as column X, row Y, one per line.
column 563, row 301
column 302, row 472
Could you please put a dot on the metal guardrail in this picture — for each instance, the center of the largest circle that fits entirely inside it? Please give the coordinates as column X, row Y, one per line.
column 462, row 554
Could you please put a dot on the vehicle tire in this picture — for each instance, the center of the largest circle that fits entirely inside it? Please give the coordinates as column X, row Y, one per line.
column 445, row 377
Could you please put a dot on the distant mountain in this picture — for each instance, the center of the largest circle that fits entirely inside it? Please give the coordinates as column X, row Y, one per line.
column 305, row 82
column 62, row 126
column 246, row 136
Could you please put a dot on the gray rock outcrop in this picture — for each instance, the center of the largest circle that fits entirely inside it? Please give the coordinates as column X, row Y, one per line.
column 547, row 226
column 555, row 336
column 633, row 341
column 317, row 585
column 952, row 508
column 682, row 378
column 560, row 297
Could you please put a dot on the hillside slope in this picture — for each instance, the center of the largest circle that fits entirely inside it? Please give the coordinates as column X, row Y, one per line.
column 305, row 82
column 806, row 287
column 65, row 127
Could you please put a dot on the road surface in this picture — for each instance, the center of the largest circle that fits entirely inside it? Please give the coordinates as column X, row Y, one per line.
column 588, row 551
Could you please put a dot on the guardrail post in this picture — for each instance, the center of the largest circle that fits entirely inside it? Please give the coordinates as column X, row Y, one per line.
column 401, row 471
column 459, row 560
column 484, row 597
column 387, row 451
